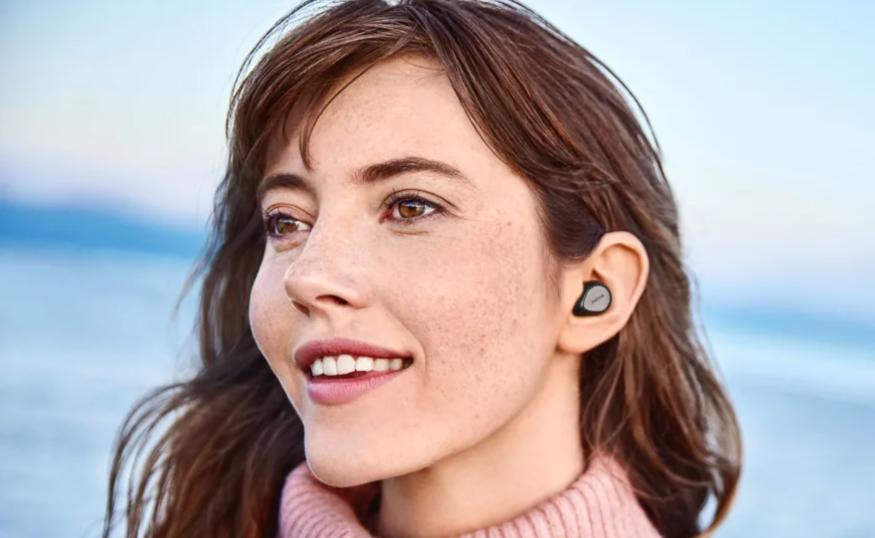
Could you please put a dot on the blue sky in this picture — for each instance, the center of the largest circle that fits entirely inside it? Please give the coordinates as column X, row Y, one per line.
column 763, row 114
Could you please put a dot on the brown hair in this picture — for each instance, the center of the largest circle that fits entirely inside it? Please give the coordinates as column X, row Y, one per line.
column 559, row 118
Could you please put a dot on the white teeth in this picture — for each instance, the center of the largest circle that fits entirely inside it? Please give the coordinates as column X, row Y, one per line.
column 364, row 364
column 345, row 364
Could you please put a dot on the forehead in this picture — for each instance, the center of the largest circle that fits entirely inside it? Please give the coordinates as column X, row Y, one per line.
column 398, row 107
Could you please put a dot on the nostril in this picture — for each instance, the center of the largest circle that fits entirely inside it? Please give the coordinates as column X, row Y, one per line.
column 331, row 298
column 300, row 307
column 334, row 298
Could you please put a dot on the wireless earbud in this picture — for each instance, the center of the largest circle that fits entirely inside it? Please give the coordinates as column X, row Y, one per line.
column 595, row 299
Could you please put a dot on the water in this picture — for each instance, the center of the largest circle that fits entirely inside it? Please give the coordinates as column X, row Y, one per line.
column 83, row 336
column 85, row 331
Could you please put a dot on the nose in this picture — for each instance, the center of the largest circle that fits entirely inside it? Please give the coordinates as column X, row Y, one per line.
column 327, row 273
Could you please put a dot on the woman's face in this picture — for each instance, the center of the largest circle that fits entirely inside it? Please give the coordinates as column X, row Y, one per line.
column 460, row 288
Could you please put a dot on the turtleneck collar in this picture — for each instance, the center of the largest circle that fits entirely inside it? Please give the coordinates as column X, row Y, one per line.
column 599, row 504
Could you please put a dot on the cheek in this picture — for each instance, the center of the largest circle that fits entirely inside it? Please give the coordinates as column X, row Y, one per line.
column 479, row 321
column 269, row 317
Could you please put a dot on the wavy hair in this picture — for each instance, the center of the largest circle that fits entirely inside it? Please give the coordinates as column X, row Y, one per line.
column 208, row 456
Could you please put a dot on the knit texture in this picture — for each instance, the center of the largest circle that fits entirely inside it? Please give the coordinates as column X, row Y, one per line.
column 598, row 504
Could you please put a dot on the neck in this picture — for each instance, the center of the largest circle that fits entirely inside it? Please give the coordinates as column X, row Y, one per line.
column 529, row 459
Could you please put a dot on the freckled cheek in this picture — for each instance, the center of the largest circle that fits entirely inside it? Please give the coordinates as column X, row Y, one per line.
column 268, row 317
column 485, row 364
column 466, row 302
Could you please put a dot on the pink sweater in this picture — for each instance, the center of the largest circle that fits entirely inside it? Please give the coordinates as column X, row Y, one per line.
column 598, row 504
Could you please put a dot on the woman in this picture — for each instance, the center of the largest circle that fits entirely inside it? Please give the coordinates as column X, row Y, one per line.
column 444, row 296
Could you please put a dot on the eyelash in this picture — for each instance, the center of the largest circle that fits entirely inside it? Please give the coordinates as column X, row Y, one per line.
column 270, row 219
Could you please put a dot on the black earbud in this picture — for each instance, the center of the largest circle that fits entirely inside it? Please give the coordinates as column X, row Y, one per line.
column 595, row 299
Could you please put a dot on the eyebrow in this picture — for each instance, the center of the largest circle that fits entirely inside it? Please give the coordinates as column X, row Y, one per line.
column 366, row 175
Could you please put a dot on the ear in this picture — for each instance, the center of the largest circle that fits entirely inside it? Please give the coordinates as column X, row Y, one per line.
column 619, row 262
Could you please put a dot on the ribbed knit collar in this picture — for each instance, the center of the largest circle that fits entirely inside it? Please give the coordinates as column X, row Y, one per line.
column 598, row 504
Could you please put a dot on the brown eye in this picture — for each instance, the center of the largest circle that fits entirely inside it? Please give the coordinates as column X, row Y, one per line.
column 280, row 225
column 285, row 226
column 412, row 208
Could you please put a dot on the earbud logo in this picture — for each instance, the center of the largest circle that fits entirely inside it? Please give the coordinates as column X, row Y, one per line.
column 596, row 298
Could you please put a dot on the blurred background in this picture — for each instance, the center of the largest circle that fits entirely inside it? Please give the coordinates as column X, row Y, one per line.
column 112, row 142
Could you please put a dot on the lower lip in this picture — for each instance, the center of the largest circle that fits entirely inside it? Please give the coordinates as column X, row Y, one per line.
column 330, row 391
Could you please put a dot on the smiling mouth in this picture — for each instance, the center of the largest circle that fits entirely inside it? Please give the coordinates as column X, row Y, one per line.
column 324, row 389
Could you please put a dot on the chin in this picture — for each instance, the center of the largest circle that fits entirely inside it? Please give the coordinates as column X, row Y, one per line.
column 341, row 469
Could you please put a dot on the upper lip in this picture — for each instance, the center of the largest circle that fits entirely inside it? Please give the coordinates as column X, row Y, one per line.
column 307, row 353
